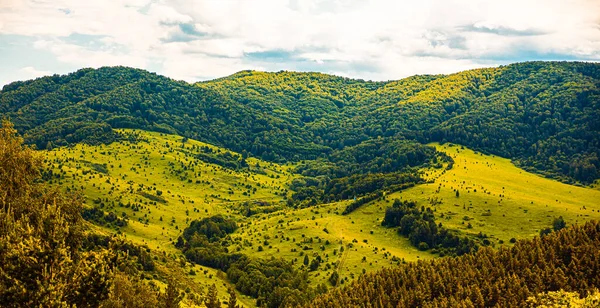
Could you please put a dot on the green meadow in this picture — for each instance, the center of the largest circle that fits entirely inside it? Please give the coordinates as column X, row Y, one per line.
column 160, row 183
column 489, row 194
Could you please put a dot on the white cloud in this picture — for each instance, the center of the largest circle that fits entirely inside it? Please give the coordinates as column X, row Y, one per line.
column 24, row 73
column 371, row 39
column 112, row 55
column 31, row 72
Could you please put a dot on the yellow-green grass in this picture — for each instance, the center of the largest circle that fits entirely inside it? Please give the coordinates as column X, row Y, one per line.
column 143, row 167
column 289, row 235
column 147, row 162
column 127, row 173
column 503, row 189
column 497, row 198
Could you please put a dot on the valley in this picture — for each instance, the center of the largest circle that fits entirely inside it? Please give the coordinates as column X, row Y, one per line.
column 159, row 183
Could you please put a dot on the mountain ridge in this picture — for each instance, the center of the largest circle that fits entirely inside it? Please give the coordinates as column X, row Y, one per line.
column 541, row 114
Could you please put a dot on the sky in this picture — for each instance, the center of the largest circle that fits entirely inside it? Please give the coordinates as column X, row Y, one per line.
column 197, row 40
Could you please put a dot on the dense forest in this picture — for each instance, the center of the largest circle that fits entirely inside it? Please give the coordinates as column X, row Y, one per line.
column 566, row 260
column 273, row 282
column 543, row 115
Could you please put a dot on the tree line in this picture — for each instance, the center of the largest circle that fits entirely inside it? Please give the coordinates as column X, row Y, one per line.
column 419, row 225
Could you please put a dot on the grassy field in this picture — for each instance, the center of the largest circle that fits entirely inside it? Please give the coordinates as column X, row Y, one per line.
column 341, row 241
column 161, row 182
column 160, row 185
column 497, row 198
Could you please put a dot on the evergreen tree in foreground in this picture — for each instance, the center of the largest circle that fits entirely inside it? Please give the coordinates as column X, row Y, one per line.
column 44, row 261
column 232, row 303
column 41, row 264
column 212, row 298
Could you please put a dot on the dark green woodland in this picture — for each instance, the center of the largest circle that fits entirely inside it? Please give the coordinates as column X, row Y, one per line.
column 543, row 115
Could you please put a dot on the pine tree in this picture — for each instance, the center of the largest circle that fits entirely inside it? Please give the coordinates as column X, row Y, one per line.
column 232, row 303
column 212, row 299
column 333, row 279
column 477, row 298
column 172, row 296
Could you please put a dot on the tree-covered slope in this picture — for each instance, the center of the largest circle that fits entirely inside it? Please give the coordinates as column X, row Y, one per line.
column 543, row 115
column 565, row 260
column 49, row 257
column 150, row 102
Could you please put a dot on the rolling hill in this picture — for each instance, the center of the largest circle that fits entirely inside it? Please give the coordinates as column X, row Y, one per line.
column 158, row 183
column 284, row 185
column 540, row 114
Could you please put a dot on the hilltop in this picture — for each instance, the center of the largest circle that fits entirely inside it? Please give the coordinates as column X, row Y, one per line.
column 540, row 114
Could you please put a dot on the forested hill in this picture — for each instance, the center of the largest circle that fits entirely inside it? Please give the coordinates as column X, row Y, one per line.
column 508, row 277
column 543, row 115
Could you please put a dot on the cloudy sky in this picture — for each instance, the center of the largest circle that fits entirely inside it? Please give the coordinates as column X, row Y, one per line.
column 369, row 39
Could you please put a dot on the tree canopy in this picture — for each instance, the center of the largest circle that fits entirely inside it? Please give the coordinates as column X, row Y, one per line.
column 543, row 115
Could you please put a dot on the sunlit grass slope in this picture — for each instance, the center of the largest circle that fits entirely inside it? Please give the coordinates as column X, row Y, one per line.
column 160, row 183
column 349, row 244
column 497, row 198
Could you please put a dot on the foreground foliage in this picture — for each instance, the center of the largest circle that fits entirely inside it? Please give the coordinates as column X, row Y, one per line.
column 564, row 299
column 40, row 232
column 46, row 257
